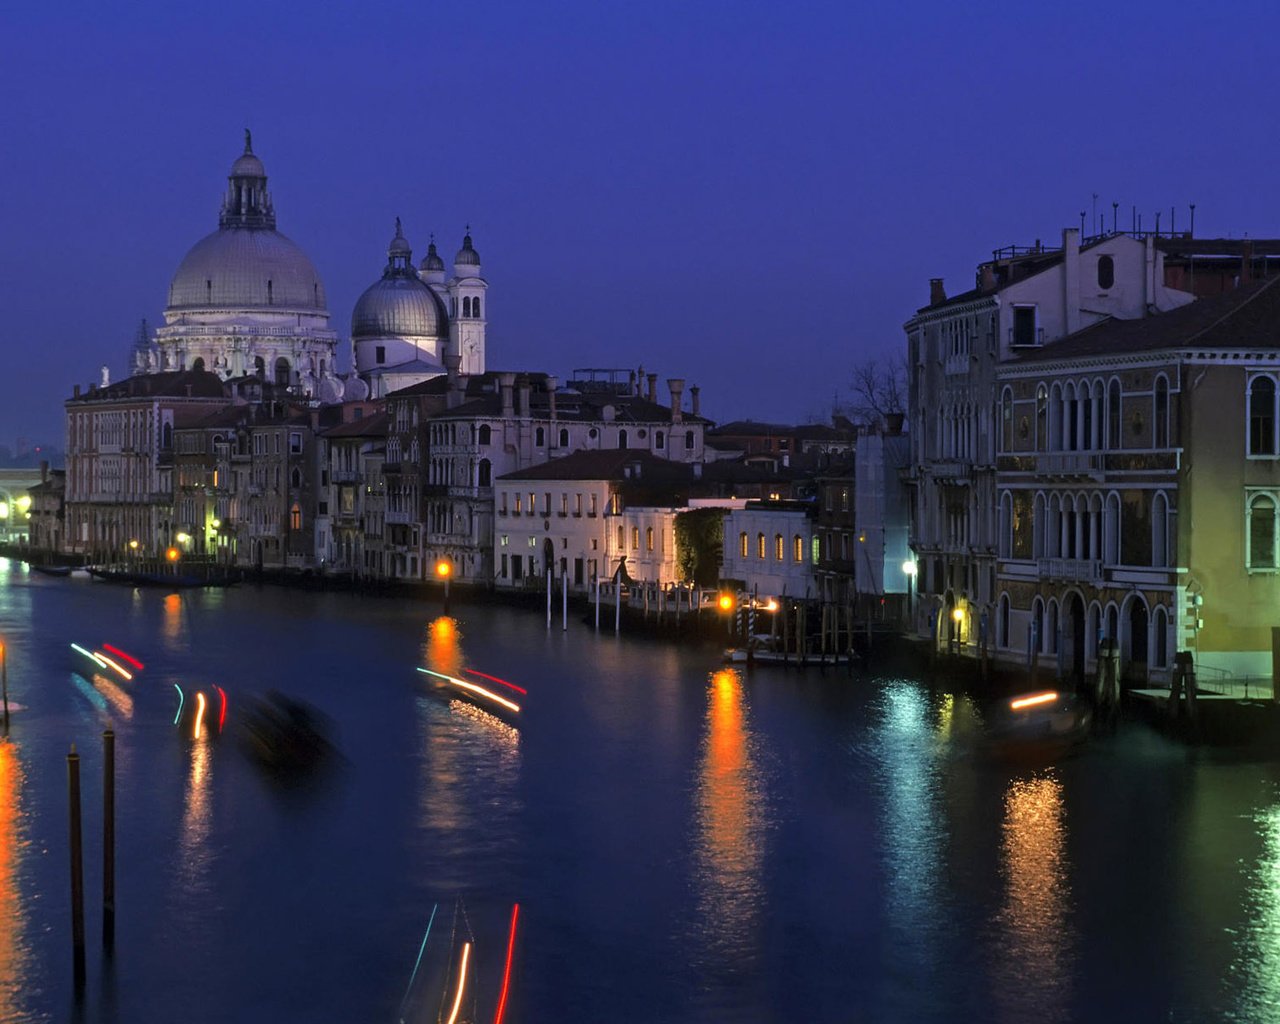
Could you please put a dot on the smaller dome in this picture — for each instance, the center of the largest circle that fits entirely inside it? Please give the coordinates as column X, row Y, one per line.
column 399, row 245
column 399, row 307
column 432, row 260
column 467, row 255
column 248, row 166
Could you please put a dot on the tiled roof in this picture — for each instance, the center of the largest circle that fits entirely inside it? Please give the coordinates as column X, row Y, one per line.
column 1248, row 317
column 173, row 384
column 370, row 426
column 607, row 464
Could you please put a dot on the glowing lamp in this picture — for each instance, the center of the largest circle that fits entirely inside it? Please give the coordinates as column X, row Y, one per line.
column 173, row 554
column 909, row 567
column 4, row 510
column 726, row 602
column 771, row 605
column 215, row 524
column 958, row 615
column 23, row 503
column 183, row 538
column 133, row 544
column 443, row 569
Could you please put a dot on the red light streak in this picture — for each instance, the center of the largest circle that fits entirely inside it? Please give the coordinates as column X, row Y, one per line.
column 495, row 679
column 506, row 971
column 222, row 713
column 120, row 654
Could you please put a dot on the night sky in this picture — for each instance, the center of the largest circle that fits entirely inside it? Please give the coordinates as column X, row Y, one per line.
column 750, row 196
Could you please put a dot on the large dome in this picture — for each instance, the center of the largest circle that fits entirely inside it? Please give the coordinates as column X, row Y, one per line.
column 399, row 307
column 246, row 268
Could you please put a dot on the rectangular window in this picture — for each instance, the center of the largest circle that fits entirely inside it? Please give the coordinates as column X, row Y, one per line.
column 506, row 540
column 1024, row 325
column 648, row 538
column 519, row 501
column 533, row 500
column 504, row 565
column 622, row 538
column 380, row 354
column 635, row 538
column 593, row 505
column 546, row 503
column 760, row 545
column 564, row 503
column 816, row 551
column 295, row 444
column 503, row 510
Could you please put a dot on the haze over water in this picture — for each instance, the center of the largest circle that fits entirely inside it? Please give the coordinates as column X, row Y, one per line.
column 686, row 844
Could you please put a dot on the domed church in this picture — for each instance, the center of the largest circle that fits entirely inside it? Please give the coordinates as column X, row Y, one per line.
column 246, row 300
column 405, row 322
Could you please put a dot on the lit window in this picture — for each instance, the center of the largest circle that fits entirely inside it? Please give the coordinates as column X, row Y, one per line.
column 797, row 548
column 817, row 550
column 742, row 543
column 779, row 547
column 760, row 545
column 635, row 538
column 1262, row 532
column 648, row 538
column 295, row 517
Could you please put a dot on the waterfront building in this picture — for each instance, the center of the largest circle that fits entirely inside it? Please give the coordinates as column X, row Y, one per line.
column 836, row 528
column 48, row 514
column 120, row 457
column 1024, row 298
column 571, row 516
column 1139, row 491
column 771, row 549
column 353, row 468
column 884, row 565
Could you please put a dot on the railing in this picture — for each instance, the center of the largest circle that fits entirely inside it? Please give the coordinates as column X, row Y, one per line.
column 1069, row 463
column 399, row 518
column 345, row 476
column 1025, row 339
column 952, row 469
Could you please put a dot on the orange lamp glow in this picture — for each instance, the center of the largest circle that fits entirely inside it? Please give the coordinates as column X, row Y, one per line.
column 173, row 554
column 443, row 569
column 726, row 602
column 1033, row 700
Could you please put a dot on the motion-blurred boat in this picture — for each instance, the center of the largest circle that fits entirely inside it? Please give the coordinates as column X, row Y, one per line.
column 286, row 735
column 51, row 570
column 1037, row 727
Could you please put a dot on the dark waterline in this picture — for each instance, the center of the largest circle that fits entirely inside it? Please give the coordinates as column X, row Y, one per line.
column 684, row 845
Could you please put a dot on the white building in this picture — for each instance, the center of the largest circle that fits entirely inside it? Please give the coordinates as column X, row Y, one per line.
column 770, row 548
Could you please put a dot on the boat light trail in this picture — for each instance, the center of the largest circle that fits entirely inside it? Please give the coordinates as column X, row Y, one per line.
column 506, row 971
column 123, row 656
column 90, row 655
column 195, row 734
column 474, row 688
column 222, row 713
column 181, row 701
column 1039, row 698
column 114, row 664
column 462, row 982
column 418, row 963
column 495, row 679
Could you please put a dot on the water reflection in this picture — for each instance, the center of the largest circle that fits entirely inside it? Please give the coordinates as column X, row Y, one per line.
column 171, row 629
column 443, row 646
column 914, row 834
column 14, row 954
column 114, row 695
column 1031, row 967
column 1256, row 966
column 197, row 818
column 729, row 849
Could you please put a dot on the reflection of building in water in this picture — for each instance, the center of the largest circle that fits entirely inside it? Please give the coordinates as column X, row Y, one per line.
column 13, row 954
column 729, row 853
column 1255, row 969
column 1033, row 966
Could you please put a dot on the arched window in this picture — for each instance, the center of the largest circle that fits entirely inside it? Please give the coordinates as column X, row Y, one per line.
column 659, row 440
column 1006, row 525
column 688, row 440
column 1162, row 412
column 295, row 478
column 1262, row 416
column 295, row 517
column 282, row 371
column 1262, row 532
column 485, row 434
column 466, row 307
column 1042, row 418
column 1039, row 524
column 1160, row 634
column 475, row 307
column 259, row 366
column 564, row 437
column 648, row 538
column 198, row 364
column 1111, row 531
column 1113, row 416
column 1002, row 622
column 484, row 473
column 622, row 438
column 760, row 545
column 742, row 543
column 1106, row 272
column 797, row 548
column 166, row 436
column 779, row 547
column 539, row 437
column 1055, row 418
column 1006, row 420
column 1051, row 628
column 1160, row 530
column 1037, row 626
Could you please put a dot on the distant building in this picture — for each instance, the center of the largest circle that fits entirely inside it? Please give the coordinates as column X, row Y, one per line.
column 770, row 549
column 47, row 523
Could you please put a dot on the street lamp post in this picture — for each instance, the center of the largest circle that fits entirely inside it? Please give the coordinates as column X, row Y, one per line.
column 444, row 571
column 909, row 569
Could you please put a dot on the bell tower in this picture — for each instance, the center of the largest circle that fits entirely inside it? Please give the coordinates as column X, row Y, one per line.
column 468, row 307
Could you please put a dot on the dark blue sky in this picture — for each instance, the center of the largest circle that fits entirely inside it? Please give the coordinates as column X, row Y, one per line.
column 750, row 196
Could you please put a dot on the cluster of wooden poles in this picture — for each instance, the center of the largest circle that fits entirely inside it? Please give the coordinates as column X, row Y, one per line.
column 108, row 855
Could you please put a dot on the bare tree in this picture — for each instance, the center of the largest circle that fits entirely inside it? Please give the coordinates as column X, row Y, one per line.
column 879, row 387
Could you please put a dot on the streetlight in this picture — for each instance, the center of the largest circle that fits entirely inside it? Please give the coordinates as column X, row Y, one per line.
column 909, row 570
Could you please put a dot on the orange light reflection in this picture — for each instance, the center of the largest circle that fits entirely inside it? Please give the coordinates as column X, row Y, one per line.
column 14, row 956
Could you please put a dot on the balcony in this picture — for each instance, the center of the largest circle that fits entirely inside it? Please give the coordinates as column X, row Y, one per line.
column 399, row 518
column 952, row 470
column 1070, row 464
column 1025, row 338
column 345, row 476
column 1079, row 570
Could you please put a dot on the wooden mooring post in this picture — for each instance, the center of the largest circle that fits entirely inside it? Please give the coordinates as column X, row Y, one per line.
column 108, row 839
column 77, row 870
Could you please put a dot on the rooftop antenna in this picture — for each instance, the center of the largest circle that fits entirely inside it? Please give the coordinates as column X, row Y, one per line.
column 1094, row 220
column 1114, row 207
column 1157, row 223
column 1082, row 216
column 1193, row 220
column 1173, row 213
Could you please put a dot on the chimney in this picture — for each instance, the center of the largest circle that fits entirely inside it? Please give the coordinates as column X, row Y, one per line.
column 44, row 471
column 1071, row 278
column 986, row 278
column 633, row 385
column 453, row 395
column 315, row 421
column 552, row 384
column 75, row 391
column 507, row 381
column 106, row 376
column 1246, row 261
column 523, row 389
column 694, row 403
column 653, row 387
column 676, row 384
column 937, row 294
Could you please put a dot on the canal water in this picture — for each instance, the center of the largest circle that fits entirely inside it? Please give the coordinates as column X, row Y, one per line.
column 684, row 843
